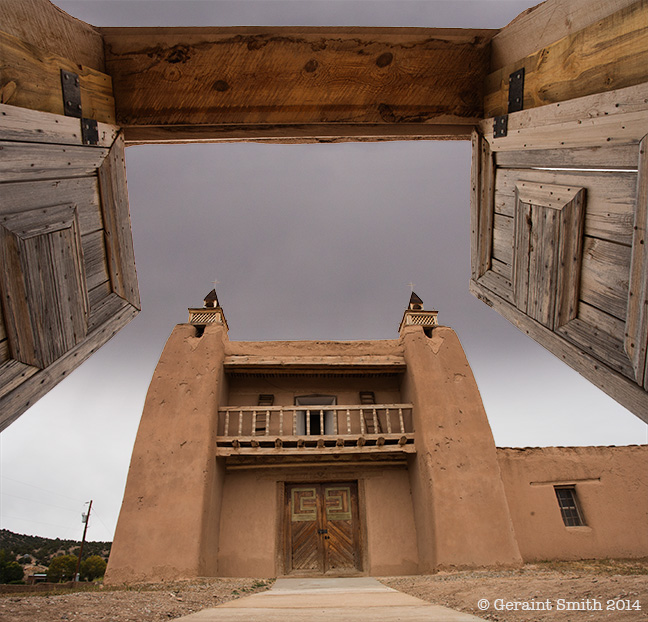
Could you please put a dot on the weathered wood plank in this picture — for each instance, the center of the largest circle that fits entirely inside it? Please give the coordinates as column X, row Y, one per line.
column 604, row 276
column 545, row 23
column 481, row 206
column 503, row 239
column 31, row 161
column 83, row 192
column 22, row 124
column 636, row 330
column 42, row 24
column 593, row 339
column 211, row 76
column 498, row 284
column 502, row 269
column 116, row 216
column 620, row 388
column 607, row 157
column 31, row 79
column 570, row 247
column 45, row 300
column 609, row 205
column 14, row 403
column 294, row 134
column 582, row 122
column 94, row 256
column 609, row 54
column 5, row 354
column 97, row 294
column 12, row 374
column 521, row 263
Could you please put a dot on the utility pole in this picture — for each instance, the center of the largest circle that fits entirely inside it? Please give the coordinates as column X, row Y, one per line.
column 84, row 518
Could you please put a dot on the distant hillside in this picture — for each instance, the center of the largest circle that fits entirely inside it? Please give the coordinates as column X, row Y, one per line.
column 41, row 550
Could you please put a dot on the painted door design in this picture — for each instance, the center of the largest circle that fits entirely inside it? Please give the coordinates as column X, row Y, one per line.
column 322, row 529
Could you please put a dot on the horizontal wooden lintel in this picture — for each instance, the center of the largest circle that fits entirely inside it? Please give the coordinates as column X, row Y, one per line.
column 180, row 82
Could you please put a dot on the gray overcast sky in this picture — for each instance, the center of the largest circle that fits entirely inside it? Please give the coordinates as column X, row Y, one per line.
column 307, row 242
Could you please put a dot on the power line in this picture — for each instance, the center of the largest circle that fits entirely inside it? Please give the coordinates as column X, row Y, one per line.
column 57, row 494
column 8, row 494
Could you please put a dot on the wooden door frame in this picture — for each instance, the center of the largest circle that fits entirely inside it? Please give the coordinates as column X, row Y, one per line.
column 283, row 539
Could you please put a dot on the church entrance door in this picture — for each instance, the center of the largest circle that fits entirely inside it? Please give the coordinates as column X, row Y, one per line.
column 322, row 534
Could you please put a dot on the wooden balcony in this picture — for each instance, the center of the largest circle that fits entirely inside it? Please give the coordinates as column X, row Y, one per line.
column 312, row 430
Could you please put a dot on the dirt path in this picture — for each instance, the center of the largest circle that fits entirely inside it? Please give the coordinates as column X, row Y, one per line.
column 576, row 582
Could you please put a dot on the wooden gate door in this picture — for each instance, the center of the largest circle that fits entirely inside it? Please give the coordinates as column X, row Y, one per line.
column 322, row 529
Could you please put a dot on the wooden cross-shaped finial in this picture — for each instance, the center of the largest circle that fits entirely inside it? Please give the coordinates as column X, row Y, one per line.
column 412, row 286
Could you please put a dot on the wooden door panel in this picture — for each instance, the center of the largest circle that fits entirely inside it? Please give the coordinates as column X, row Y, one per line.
column 322, row 529
column 305, row 541
column 559, row 225
column 69, row 282
column 341, row 544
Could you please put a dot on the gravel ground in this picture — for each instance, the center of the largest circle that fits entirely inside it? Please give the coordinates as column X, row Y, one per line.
column 594, row 582
column 144, row 603
column 619, row 588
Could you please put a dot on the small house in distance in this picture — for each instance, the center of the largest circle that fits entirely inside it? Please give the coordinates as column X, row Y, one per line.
column 310, row 458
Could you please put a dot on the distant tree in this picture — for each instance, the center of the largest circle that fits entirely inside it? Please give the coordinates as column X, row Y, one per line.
column 10, row 571
column 92, row 568
column 62, row 568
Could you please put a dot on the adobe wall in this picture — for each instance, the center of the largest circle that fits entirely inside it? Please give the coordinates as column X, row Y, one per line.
column 461, row 513
column 251, row 521
column 169, row 521
column 612, row 489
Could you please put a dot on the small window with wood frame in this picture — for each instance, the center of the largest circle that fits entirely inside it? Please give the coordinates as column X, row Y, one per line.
column 569, row 507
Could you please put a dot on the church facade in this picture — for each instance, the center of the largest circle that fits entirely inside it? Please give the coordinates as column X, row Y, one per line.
column 312, row 458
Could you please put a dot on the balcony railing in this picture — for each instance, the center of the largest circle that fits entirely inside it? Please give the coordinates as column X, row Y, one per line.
column 344, row 429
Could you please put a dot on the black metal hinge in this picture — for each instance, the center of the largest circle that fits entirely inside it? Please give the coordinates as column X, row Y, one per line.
column 516, row 91
column 500, row 126
column 71, row 87
column 89, row 131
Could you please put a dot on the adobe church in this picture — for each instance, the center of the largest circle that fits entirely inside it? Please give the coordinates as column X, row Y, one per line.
column 305, row 458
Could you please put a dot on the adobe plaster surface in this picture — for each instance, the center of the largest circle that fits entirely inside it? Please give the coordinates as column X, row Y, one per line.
column 611, row 485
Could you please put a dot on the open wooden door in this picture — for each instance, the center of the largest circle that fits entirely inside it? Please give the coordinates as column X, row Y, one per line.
column 559, row 226
column 68, row 280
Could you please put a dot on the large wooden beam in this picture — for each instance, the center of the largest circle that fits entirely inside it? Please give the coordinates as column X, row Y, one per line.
column 606, row 55
column 40, row 23
column 296, row 84
column 544, row 24
column 31, row 78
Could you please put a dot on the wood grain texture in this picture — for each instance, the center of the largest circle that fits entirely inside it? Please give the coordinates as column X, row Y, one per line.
column 16, row 402
column 43, row 283
column 42, row 24
column 604, row 276
column 214, row 76
column 617, row 386
column 619, row 116
column 83, row 192
column 610, row 198
column 117, row 225
column 482, row 179
column 636, row 330
column 600, row 157
column 544, row 24
column 31, row 161
column 292, row 133
column 31, row 79
column 41, row 127
column 606, row 55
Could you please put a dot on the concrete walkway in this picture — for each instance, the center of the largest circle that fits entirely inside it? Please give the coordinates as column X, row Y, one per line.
column 361, row 599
